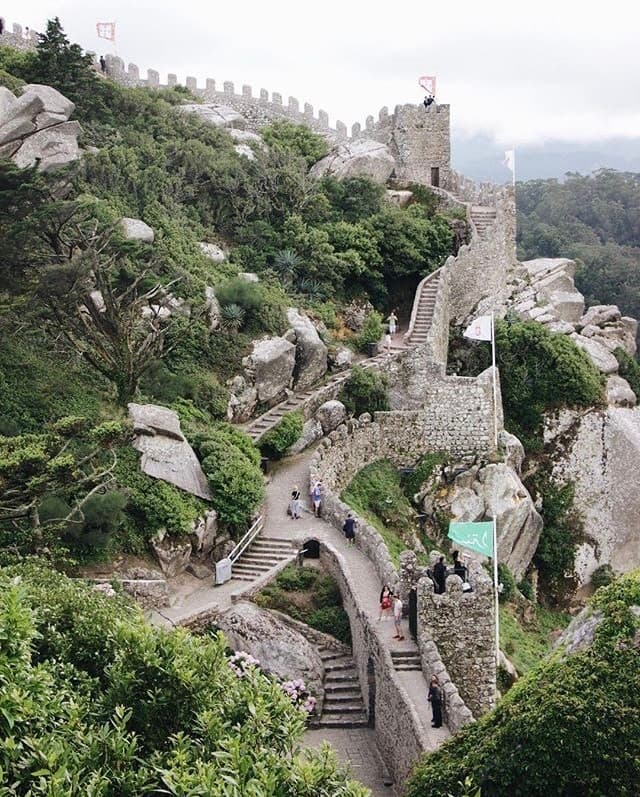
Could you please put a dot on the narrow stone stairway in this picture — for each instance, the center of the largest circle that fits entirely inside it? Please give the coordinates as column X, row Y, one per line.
column 424, row 314
column 256, row 428
column 406, row 660
column 262, row 555
column 342, row 706
column 483, row 218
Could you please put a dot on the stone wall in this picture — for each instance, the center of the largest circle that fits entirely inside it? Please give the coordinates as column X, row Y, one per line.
column 481, row 269
column 399, row 733
column 462, row 625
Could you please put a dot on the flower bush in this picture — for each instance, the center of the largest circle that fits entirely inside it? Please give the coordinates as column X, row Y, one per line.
column 296, row 690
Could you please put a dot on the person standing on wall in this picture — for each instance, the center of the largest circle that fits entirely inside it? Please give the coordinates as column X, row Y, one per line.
column 435, row 698
column 1, row 26
column 103, row 65
column 397, row 617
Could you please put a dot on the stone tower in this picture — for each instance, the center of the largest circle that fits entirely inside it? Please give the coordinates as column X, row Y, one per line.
column 419, row 140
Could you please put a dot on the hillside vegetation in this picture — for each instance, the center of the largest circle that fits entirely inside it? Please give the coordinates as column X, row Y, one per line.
column 97, row 703
column 68, row 365
column 569, row 728
column 593, row 219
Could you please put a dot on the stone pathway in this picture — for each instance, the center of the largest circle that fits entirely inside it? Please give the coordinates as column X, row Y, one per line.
column 357, row 748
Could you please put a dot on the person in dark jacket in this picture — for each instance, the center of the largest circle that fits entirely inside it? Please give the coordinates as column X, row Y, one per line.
column 459, row 568
column 435, row 698
column 440, row 575
column 349, row 528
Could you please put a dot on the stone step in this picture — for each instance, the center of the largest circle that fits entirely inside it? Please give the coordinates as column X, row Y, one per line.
column 342, row 708
column 407, row 667
column 340, row 666
column 351, row 695
column 401, row 655
column 348, row 721
column 261, row 561
column 326, row 654
column 336, row 678
column 269, row 545
column 345, row 687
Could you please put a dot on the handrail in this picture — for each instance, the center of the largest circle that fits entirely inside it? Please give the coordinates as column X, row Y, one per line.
column 248, row 538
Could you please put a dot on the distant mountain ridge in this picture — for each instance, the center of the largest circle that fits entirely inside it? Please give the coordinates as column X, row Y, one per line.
column 481, row 158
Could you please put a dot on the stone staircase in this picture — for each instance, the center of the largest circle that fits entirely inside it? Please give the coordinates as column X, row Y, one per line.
column 262, row 555
column 406, row 660
column 256, row 428
column 424, row 313
column 483, row 218
column 342, row 706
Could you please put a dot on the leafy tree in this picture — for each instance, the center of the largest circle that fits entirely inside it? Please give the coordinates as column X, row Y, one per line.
column 276, row 442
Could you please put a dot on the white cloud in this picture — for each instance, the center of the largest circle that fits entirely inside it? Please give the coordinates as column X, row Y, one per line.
column 522, row 73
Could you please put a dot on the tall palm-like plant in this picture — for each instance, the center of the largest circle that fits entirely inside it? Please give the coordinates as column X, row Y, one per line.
column 287, row 264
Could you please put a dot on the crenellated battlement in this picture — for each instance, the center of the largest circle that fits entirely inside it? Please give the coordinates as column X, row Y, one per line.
column 260, row 107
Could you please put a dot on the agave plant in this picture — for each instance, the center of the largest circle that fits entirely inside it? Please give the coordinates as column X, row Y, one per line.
column 286, row 264
column 232, row 317
column 312, row 289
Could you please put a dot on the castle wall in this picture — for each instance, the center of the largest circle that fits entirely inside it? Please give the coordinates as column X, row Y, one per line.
column 462, row 626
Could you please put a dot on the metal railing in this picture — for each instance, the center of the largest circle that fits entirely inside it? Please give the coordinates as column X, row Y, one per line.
column 248, row 538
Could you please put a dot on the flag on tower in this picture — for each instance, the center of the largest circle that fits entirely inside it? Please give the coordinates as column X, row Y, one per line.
column 510, row 162
column 480, row 329
column 475, row 536
column 106, row 30
column 428, row 83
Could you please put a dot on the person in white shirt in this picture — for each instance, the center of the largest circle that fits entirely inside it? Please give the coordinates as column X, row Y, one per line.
column 397, row 617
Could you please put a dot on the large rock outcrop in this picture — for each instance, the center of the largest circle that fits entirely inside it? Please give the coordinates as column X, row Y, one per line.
column 165, row 452
column 34, row 127
column 599, row 452
column 218, row 115
column 311, row 352
column 280, row 649
column 362, row 158
column 495, row 490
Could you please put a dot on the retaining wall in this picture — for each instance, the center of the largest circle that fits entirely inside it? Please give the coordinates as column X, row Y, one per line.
column 399, row 733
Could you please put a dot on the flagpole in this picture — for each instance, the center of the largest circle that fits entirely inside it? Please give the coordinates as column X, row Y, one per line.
column 495, row 391
column 496, row 589
column 513, row 171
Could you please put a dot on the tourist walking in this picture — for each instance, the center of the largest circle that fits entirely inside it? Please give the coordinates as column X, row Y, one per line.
column 397, row 617
column 385, row 600
column 349, row 528
column 295, row 507
column 316, row 497
column 435, row 698
column 393, row 322
column 440, row 575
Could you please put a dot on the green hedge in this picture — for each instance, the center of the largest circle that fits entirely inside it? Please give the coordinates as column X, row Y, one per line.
column 364, row 391
column 277, row 441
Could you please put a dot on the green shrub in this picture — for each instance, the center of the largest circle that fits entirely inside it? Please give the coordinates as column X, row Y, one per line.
column 556, row 726
column 629, row 369
column 364, row 391
column 412, row 482
column 103, row 698
column 331, row 620
column 526, row 589
column 293, row 578
column 602, row 576
column 505, row 577
column 235, row 479
column 296, row 139
column 371, row 332
column 277, row 441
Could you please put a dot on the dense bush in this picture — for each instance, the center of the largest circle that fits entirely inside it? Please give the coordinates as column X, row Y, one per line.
column 310, row 596
column 602, row 576
column 296, row 139
column 97, row 702
column 561, row 533
column 231, row 465
column 629, row 369
column 508, row 582
column 364, row 391
column 371, row 332
column 425, row 466
column 557, row 731
column 275, row 443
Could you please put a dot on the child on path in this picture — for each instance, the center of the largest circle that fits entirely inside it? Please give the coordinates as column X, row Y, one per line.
column 397, row 617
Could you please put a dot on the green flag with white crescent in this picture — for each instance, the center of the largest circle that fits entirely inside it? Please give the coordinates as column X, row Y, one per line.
column 475, row 536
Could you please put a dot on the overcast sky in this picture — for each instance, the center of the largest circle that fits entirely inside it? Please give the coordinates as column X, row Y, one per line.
column 550, row 69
